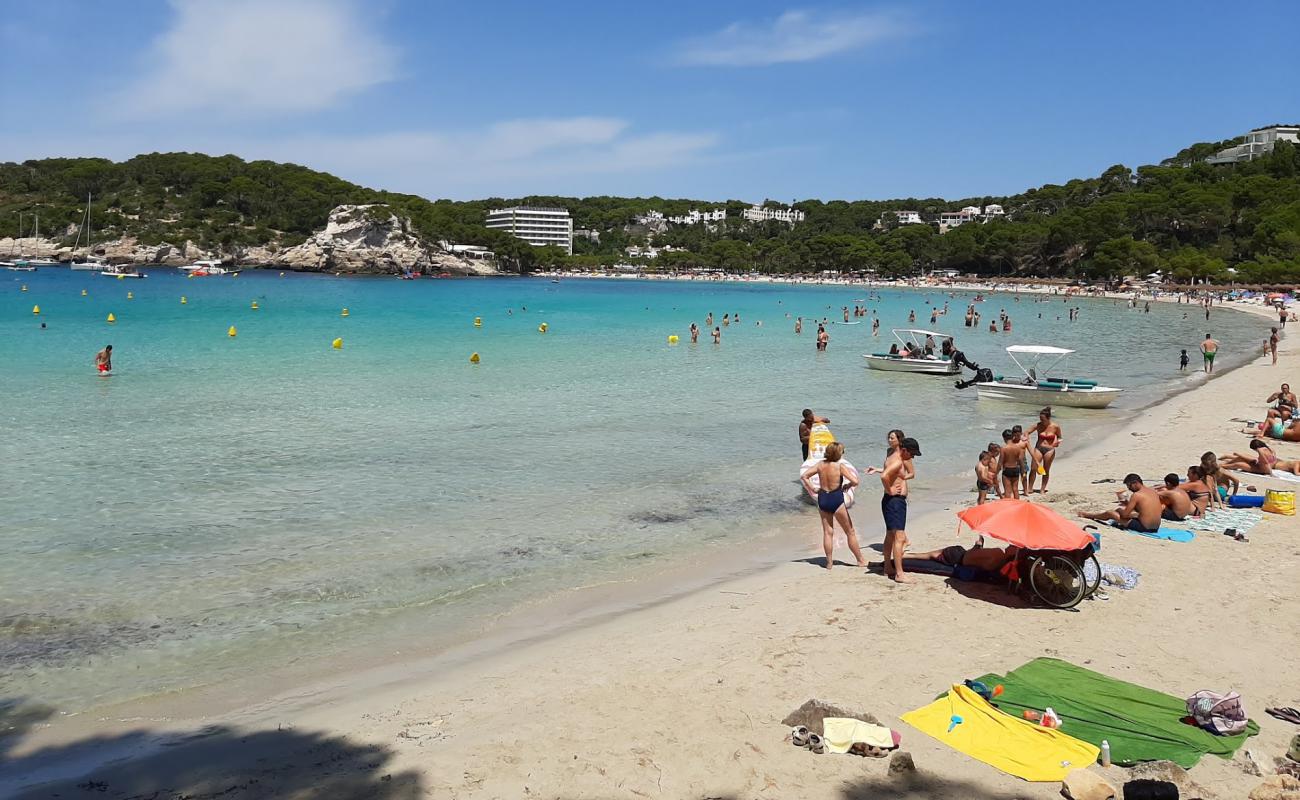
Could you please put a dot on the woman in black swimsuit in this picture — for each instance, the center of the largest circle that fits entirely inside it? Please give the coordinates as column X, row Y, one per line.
column 831, row 502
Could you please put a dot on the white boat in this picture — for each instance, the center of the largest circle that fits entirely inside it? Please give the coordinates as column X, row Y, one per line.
column 23, row 263
column 202, row 268
column 12, row 267
column 935, row 364
column 122, row 271
column 90, row 263
column 1047, row 390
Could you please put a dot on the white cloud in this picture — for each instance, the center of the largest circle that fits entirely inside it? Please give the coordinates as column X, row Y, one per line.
column 253, row 57
column 792, row 37
column 514, row 157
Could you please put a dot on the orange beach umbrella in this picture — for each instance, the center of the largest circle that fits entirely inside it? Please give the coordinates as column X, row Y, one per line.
column 1025, row 524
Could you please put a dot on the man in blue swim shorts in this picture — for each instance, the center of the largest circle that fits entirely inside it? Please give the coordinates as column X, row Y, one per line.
column 898, row 470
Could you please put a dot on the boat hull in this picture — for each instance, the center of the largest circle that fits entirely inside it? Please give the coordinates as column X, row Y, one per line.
column 921, row 366
column 1095, row 397
column 89, row 267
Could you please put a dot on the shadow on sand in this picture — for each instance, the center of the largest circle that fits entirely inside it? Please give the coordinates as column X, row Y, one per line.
column 212, row 762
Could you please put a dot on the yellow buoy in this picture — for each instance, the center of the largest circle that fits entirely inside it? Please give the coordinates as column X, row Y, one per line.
column 191, row 275
column 121, row 277
column 254, row 305
column 478, row 322
column 183, row 300
column 345, row 313
column 338, row 343
column 130, row 295
column 542, row 328
column 672, row 339
column 36, row 310
column 473, row 358
column 111, row 318
column 83, row 292
column 231, row 333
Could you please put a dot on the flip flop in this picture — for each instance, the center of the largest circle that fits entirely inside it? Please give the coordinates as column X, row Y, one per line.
column 1285, row 714
column 816, row 744
column 799, row 736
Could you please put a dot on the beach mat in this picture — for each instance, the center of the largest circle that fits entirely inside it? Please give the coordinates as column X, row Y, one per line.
column 1277, row 473
column 1220, row 520
column 1008, row 743
column 1141, row 724
column 1168, row 531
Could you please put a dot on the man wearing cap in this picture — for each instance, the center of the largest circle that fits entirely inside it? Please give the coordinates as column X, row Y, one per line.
column 893, row 505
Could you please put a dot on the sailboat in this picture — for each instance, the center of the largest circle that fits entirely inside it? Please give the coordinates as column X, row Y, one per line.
column 23, row 263
column 91, row 263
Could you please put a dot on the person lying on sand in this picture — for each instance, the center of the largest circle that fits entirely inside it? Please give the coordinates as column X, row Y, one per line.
column 988, row 559
column 1140, row 513
column 1177, row 503
column 1261, row 463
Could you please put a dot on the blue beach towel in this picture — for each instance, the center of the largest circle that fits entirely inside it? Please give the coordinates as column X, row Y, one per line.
column 1167, row 531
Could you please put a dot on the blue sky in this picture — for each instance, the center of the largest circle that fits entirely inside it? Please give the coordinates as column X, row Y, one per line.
column 712, row 100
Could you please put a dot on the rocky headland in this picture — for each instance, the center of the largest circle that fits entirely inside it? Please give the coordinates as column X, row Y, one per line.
column 356, row 239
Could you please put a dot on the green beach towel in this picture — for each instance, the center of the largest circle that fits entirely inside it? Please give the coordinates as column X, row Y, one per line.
column 1141, row 724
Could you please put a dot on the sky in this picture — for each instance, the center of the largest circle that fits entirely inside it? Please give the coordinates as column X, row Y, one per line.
column 712, row 101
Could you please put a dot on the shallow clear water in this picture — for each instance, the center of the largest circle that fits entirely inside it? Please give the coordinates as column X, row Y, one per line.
column 221, row 505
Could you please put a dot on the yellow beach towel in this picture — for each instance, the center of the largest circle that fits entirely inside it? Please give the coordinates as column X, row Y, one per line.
column 842, row 733
column 1013, row 745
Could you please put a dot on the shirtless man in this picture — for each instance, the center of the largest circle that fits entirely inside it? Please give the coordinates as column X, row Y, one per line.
column 104, row 360
column 893, row 506
column 805, row 429
column 1208, row 348
column 1013, row 453
column 1177, row 502
column 1141, row 513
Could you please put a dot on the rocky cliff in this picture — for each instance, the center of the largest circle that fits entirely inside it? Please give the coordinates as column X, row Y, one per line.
column 357, row 239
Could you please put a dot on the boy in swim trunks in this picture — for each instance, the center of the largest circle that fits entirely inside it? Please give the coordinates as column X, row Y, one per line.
column 983, row 477
column 1013, row 451
column 893, row 506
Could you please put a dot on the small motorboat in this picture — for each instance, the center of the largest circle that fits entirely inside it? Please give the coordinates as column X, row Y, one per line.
column 202, row 269
column 915, row 345
column 1056, row 391
column 122, row 271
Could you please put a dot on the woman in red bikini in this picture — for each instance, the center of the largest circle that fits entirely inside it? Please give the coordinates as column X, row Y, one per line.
column 1044, row 452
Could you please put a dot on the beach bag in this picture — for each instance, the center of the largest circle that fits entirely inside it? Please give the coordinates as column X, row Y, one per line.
column 1277, row 501
column 1221, row 714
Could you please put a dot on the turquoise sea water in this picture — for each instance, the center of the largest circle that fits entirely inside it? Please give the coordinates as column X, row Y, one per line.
column 223, row 505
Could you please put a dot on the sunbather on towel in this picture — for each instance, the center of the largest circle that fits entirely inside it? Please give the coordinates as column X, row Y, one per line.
column 1178, row 504
column 1141, row 512
column 1261, row 463
column 988, row 559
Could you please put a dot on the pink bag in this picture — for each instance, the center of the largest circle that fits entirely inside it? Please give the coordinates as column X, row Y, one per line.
column 1222, row 714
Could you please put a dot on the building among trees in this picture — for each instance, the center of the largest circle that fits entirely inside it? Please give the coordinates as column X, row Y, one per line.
column 537, row 225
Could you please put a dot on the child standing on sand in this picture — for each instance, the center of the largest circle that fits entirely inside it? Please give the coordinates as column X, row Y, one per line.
column 983, row 477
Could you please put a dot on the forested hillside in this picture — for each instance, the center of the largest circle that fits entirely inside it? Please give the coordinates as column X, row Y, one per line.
column 1190, row 218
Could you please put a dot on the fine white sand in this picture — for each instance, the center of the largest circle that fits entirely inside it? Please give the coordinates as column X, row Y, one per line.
column 684, row 699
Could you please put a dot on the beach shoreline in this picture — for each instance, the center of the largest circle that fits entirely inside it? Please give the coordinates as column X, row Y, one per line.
column 351, row 705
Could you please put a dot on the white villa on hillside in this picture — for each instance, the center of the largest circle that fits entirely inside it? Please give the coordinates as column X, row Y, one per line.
column 692, row 217
column 1258, row 142
column 757, row 213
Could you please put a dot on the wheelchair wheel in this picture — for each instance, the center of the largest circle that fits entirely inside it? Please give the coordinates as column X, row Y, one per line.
column 1057, row 581
column 1091, row 575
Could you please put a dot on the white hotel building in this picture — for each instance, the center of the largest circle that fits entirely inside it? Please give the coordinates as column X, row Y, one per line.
column 762, row 214
column 539, row 227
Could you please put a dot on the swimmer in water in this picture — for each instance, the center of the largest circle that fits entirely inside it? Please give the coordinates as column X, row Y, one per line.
column 717, row 335
column 104, row 360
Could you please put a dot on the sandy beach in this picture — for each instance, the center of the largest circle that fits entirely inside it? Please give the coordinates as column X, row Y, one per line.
column 683, row 698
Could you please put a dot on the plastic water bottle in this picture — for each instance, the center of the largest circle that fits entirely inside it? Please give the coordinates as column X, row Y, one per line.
column 1105, row 753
